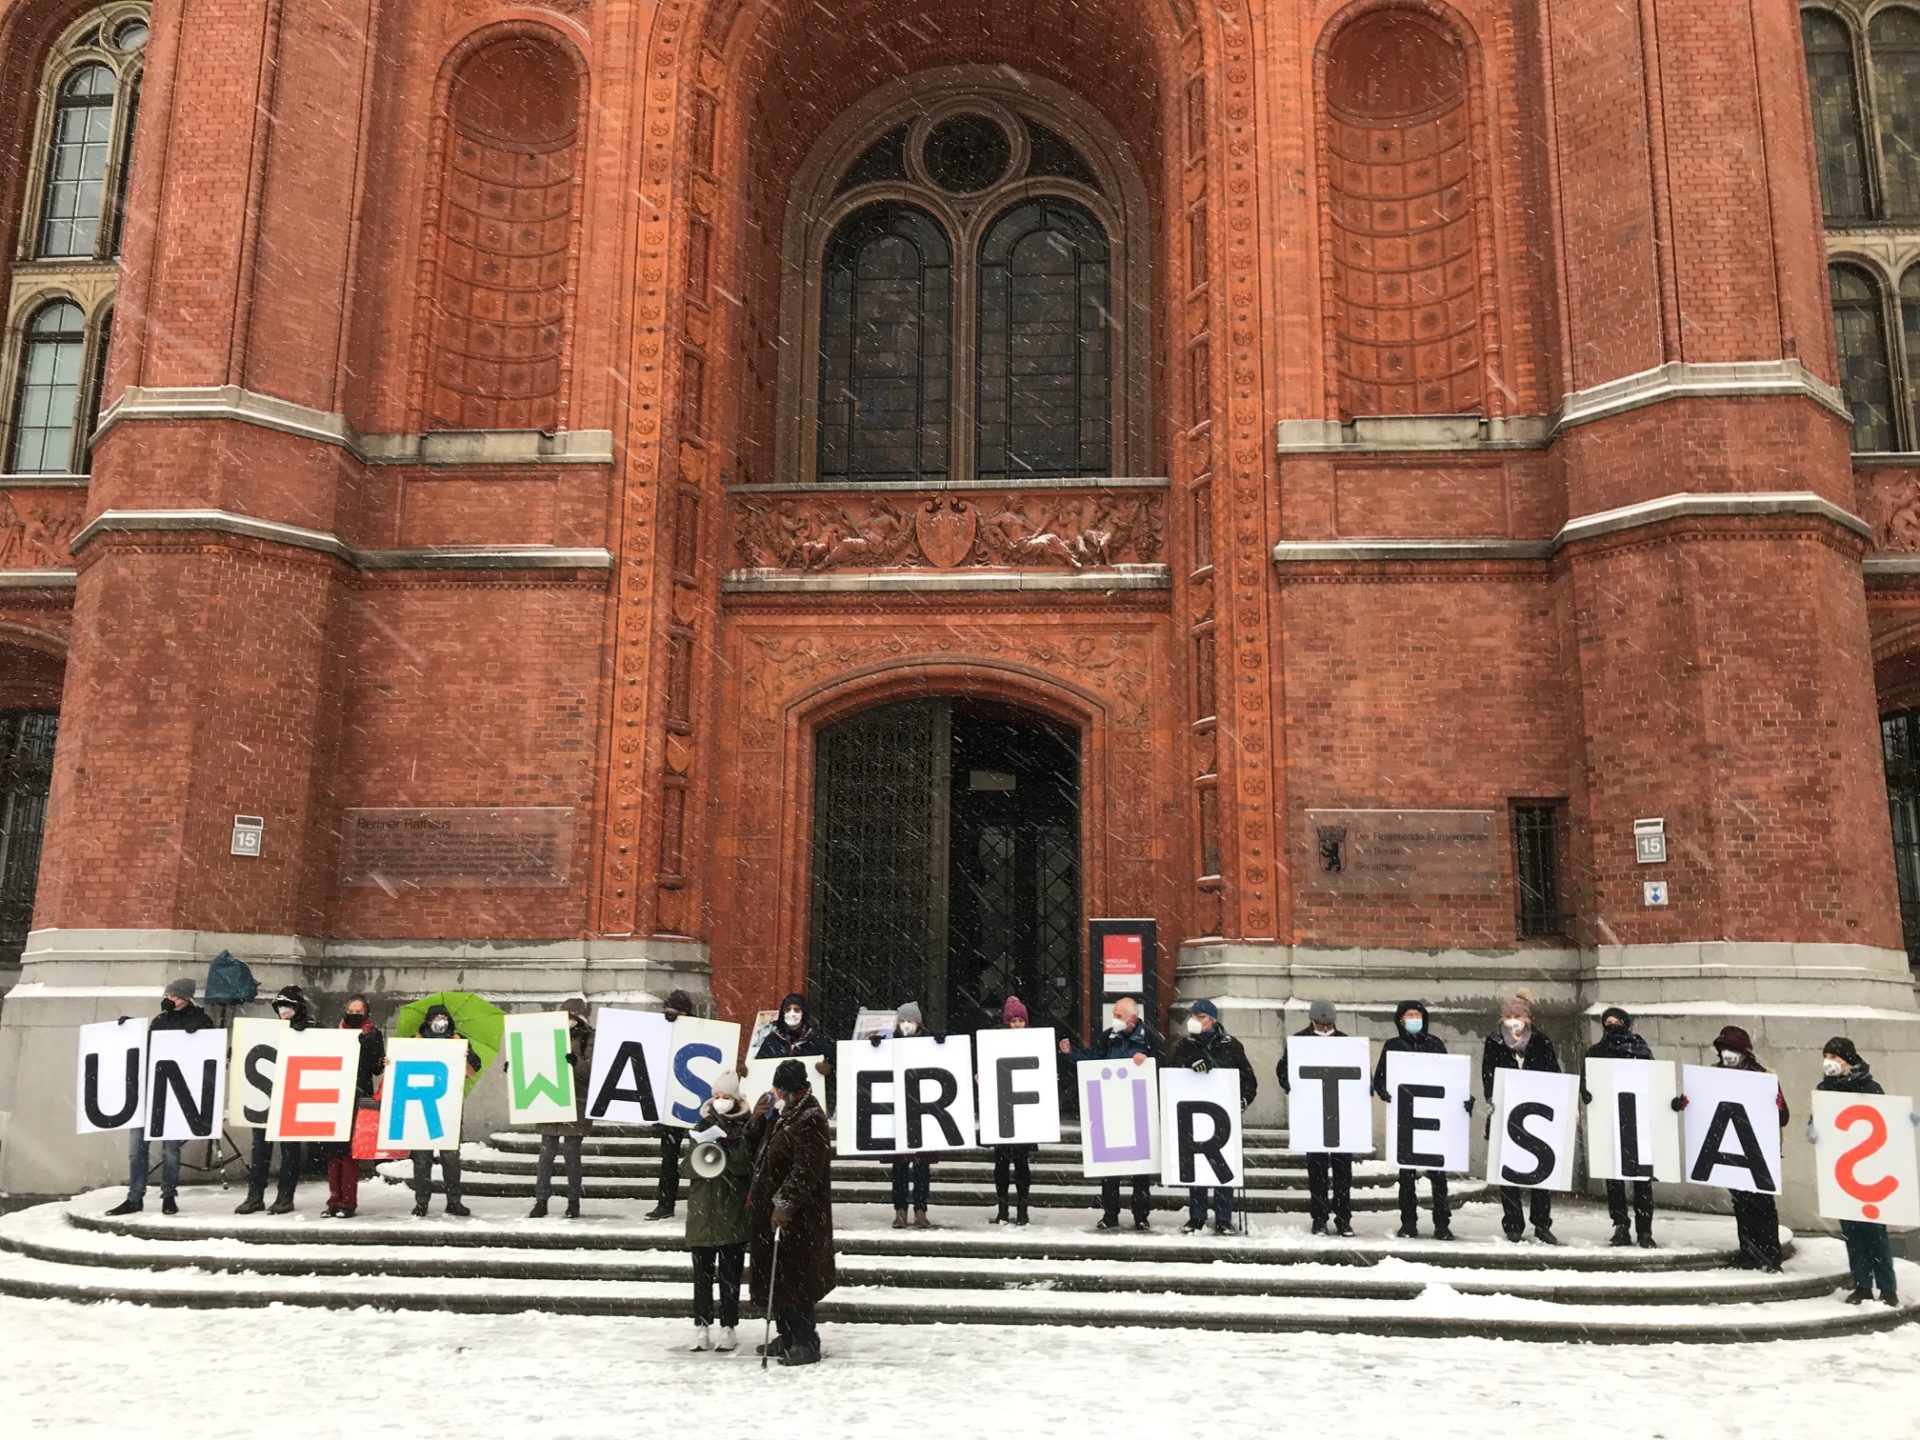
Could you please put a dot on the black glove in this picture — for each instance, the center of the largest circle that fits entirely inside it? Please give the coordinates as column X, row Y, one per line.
column 1201, row 1067
column 1586, row 1096
column 1469, row 1104
column 1679, row 1103
column 123, row 1019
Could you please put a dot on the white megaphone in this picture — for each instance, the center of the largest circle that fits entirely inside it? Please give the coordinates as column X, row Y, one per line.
column 709, row 1160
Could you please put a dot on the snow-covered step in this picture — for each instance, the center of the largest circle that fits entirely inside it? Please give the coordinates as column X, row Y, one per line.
column 1438, row 1309
column 45, row 1234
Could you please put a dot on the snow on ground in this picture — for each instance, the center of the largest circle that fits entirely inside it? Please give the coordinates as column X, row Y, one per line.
column 118, row 1370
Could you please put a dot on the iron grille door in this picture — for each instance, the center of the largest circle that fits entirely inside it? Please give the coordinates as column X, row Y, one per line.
column 879, row 861
column 1900, row 749
column 26, row 774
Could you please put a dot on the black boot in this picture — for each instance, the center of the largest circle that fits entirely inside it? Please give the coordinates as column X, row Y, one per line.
column 1020, row 1216
column 455, row 1208
column 573, row 1209
column 252, row 1205
column 539, row 1211
column 420, row 1208
column 282, row 1205
column 1002, row 1217
column 1621, row 1236
column 127, row 1207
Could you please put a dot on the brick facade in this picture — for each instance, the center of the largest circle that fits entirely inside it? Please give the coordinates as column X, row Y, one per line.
column 1592, row 236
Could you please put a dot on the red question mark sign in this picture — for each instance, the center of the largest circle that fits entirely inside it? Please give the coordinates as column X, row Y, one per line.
column 1869, row 1195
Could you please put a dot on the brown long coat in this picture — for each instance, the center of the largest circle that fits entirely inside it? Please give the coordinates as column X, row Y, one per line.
column 794, row 1174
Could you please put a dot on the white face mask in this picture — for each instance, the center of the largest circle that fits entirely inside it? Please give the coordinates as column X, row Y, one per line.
column 1514, row 1027
column 793, row 1019
column 1323, row 1029
column 1729, row 1058
column 440, row 1027
column 907, row 1027
column 285, row 1012
column 1833, row 1066
column 723, row 1103
column 1193, row 1025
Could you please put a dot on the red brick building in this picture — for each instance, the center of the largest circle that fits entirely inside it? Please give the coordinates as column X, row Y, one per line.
column 758, row 495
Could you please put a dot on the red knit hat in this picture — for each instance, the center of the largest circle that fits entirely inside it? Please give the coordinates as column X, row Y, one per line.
column 1012, row 1010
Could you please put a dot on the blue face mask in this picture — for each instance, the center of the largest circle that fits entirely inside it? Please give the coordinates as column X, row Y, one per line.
column 1413, row 1025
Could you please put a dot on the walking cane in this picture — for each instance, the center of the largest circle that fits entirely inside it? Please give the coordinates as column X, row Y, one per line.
column 773, row 1274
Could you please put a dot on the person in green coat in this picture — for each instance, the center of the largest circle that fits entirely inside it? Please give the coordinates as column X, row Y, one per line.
column 717, row 1215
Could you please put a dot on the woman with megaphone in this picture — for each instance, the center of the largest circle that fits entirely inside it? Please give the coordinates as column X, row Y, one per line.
column 717, row 1211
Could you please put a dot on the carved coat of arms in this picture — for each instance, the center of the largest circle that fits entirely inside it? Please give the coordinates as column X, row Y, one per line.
column 945, row 529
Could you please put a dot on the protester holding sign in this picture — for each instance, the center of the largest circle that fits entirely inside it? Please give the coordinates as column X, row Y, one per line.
column 343, row 1171
column 177, row 1012
column 791, row 1196
column 291, row 1006
column 1756, row 1217
column 912, row 1174
column 1619, row 1042
column 1129, row 1039
column 1411, row 1036
column 564, row 1137
column 717, row 1214
column 667, row 1197
column 1012, row 1163
column 1869, row 1251
column 438, row 1025
column 1516, row 1045
column 1329, row 1173
column 1208, row 1047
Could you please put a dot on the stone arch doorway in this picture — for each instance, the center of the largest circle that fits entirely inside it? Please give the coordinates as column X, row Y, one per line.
column 946, row 863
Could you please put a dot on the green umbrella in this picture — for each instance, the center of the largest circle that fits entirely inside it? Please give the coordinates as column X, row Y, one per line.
column 482, row 1024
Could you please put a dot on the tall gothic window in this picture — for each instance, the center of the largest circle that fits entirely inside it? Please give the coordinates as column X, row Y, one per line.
column 1894, row 43
column 1860, row 336
column 1839, row 147
column 886, row 343
column 960, row 305
column 49, row 394
column 61, row 282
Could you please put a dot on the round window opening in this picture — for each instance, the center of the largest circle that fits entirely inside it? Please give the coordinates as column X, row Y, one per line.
column 967, row 153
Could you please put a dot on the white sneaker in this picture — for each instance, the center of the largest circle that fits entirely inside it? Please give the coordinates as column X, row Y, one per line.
column 702, row 1338
column 727, row 1342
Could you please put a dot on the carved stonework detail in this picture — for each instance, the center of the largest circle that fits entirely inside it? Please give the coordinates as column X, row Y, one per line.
column 1890, row 502
column 1072, row 530
column 36, row 526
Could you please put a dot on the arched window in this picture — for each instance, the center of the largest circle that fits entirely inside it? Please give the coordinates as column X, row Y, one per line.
column 1839, row 149
column 886, row 341
column 1894, row 43
column 1860, row 336
column 49, row 390
column 966, row 256
column 77, row 163
column 1044, row 349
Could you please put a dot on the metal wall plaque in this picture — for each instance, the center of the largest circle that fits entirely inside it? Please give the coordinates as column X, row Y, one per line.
column 457, row 848
column 1404, row 852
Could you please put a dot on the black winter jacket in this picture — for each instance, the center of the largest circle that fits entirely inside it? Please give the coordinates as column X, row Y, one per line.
column 780, row 1042
column 1121, row 1044
column 1496, row 1054
column 1857, row 1081
column 1425, row 1043
column 1215, row 1049
column 189, row 1017
column 1280, row 1070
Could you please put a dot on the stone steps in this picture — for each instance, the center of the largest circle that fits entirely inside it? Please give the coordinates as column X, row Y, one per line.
column 1277, row 1279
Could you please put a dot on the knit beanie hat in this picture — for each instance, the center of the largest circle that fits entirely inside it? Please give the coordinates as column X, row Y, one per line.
column 1518, row 1006
column 1012, row 1010
column 908, row 1011
column 1735, row 1039
column 790, row 1076
column 1616, row 1012
column 1205, row 1007
column 1841, row 1048
column 725, row 1082
column 576, row 1006
column 1320, row 1012
column 182, row 987
column 291, row 995
column 680, row 1003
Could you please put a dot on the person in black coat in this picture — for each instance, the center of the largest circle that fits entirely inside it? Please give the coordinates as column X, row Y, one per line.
column 177, row 1012
column 1869, row 1251
column 1012, row 1163
column 1756, row 1218
column 343, row 1171
column 438, row 1025
column 291, row 1006
column 912, row 1174
column 1619, row 1042
column 1412, row 1036
column 1516, row 1045
column 1129, row 1038
column 1329, row 1175
column 1206, row 1047
column 667, row 1196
